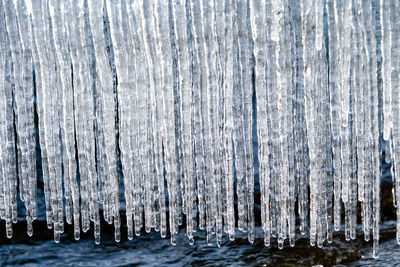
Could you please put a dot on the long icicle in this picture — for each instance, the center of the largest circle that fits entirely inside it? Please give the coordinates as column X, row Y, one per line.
column 169, row 88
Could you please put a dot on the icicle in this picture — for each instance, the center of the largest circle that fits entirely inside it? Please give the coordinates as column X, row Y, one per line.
column 247, row 88
column 120, row 45
column 284, row 109
column 164, row 54
column 3, row 172
column 133, row 145
column 334, row 89
column 228, row 121
column 120, row 35
column 375, row 132
column 317, row 114
column 259, row 36
column 167, row 87
column 78, row 28
column 222, row 173
column 307, row 42
column 105, row 119
column 8, row 184
column 386, row 44
column 71, row 189
column 301, row 146
column 185, row 91
column 20, row 45
column 390, row 71
column 207, row 46
column 345, row 57
column 49, row 116
column 152, row 143
column 238, row 135
column 273, row 122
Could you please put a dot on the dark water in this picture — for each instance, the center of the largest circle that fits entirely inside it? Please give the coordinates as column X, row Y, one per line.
column 152, row 250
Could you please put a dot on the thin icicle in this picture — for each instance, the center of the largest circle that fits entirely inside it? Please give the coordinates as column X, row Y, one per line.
column 334, row 89
column 181, row 35
column 259, row 35
column 386, row 44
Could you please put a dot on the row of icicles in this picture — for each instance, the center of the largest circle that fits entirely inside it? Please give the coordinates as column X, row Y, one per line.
column 204, row 103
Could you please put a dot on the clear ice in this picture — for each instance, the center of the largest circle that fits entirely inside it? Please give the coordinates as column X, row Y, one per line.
column 191, row 107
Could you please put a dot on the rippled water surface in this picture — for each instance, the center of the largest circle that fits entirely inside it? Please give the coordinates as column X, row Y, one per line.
column 152, row 250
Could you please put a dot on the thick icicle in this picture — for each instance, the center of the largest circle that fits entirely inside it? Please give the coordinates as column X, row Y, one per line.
column 105, row 113
column 19, row 34
column 8, row 184
column 390, row 75
column 49, row 112
column 71, row 189
column 80, row 42
column 158, row 31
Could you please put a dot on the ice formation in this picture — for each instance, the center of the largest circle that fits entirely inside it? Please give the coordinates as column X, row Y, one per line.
column 174, row 91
